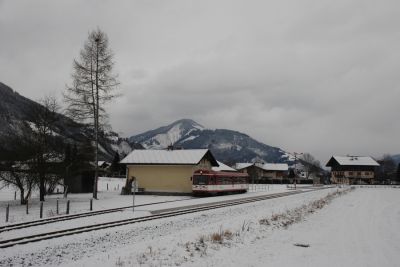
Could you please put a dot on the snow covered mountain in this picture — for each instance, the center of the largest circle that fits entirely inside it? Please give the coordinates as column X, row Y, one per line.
column 172, row 134
column 16, row 118
column 228, row 146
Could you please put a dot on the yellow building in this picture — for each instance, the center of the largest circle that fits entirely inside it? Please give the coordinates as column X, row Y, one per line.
column 167, row 171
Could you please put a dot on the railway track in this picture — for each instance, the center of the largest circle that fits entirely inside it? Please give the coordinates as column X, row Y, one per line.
column 158, row 215
column 22, row 225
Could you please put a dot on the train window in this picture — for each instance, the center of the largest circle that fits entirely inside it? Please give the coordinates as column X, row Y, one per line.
column 199, row 179
column 212, row 180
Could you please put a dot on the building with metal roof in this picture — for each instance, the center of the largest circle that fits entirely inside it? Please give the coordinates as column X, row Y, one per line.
column 223, row 168
column 275, row 167
column 240, row 166
column 166, row 171
column 264, row 172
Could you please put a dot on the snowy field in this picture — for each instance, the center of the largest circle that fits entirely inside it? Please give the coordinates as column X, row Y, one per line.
column 78, row 202
column 359, row 228
column 107, row 199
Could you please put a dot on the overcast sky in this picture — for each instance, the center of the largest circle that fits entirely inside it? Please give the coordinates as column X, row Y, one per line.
column 307, row 76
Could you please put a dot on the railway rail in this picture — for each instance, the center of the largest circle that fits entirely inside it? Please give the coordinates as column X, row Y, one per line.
column 16, row 226
column 156, row 215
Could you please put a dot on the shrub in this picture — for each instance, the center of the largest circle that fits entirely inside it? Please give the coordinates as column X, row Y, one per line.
column 217, row 238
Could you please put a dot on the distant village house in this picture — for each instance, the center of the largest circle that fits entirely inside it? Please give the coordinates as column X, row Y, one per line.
column 264, row 172
column 223, row 168
column 352, row 169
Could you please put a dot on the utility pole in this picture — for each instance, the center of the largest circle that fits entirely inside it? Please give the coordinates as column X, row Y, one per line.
column 96, row 122
column 295, row 167
column 133, row 195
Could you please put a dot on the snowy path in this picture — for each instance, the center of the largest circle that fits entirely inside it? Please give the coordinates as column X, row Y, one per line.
column 359, row 229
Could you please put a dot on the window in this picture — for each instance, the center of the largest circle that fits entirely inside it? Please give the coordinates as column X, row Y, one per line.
column 199, row 179
column 338, row 174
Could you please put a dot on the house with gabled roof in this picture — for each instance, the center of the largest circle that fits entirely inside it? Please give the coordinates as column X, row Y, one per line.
column 167, row 171
column 253, row 170
column 264, row 172
column 352, row 169
column 243, row 166
column 274, row 171
column 223, row 168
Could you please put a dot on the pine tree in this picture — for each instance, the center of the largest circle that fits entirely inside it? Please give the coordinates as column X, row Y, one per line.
column 93, row 86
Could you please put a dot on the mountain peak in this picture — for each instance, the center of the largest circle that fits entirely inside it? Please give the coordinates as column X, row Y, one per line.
column 171, row 134
column 187, row 123
column 227, row 145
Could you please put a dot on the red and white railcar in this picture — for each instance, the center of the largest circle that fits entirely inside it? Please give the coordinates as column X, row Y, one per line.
column 213, row 182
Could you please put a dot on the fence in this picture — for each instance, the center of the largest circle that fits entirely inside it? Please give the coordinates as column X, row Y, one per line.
column 39, row 210
column 109, row 184
column 261, row 187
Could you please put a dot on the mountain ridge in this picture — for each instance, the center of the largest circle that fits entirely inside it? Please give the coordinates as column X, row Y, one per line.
column 16, row 118
column 228, row 146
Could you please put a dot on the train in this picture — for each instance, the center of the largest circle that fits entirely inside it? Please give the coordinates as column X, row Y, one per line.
column 208, row 182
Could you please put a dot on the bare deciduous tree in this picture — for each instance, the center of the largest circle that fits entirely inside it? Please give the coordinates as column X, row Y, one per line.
column 44, row 118
column 311, row 165
column 21, row 179
column 387, row 170
column 34, row 154
column 398, row 173
column 15, row 172
column 93, row 85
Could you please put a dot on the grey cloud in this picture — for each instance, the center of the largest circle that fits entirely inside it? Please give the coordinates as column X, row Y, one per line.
column 308, row 76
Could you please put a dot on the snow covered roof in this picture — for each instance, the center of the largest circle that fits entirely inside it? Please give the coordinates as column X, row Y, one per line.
column 161, row 157
column 239, row 166
column 275, row 167
column 353, row 160
column 223, row 167
column 264, row 166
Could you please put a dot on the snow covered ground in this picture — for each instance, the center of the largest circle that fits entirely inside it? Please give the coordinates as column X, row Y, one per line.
column 153, row 203
column 356, row 229
column 107, row 199
column 360, row 229
column 78, row 202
